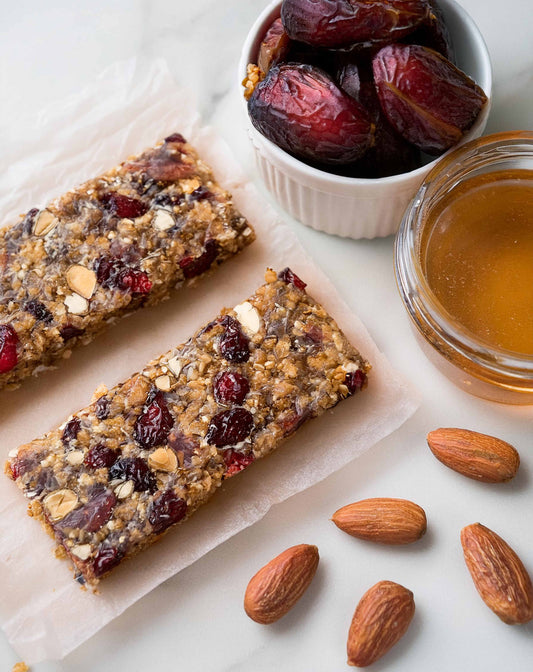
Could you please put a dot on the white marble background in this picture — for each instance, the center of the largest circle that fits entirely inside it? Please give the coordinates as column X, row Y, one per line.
column 195, row 620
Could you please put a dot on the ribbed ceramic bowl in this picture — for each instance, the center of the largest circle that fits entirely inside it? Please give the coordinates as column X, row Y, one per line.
column 347, row 206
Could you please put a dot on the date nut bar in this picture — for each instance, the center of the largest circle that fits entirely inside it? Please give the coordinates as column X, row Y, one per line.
column 146, row 454
column 114, row 244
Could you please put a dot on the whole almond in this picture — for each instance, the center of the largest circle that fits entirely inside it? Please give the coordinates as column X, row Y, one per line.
column 384, row 520
column 478, row 456
column 498, row 574
column 380, row 620
column 277, row 586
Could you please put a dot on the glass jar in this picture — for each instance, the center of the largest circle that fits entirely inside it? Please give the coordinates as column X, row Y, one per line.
column 470, row 361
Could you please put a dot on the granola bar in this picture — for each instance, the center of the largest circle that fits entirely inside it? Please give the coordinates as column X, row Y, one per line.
column 146, row 454
column 114, row 244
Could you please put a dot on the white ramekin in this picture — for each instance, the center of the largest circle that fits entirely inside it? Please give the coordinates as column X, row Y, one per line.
column 347, row 206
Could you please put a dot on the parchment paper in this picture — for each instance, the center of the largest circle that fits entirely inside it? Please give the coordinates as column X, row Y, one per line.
column 43, row 611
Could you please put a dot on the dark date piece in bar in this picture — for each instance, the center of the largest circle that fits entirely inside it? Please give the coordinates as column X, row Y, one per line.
column 146, row 454
column 114, row 244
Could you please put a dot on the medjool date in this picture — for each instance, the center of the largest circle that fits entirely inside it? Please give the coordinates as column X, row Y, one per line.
column 433, row 33
column 429, row 101
column 301, row 109
column 341, row 23
column 274, row 47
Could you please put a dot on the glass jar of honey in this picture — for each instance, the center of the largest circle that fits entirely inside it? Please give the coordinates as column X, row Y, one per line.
column 464, row 266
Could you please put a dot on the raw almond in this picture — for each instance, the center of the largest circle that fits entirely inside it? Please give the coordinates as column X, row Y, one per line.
column 384, row 520
column 478, row 456
column 498, row 574
column 277, row 586
column 380, row 620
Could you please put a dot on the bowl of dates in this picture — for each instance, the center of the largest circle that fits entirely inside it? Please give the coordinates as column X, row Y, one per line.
column 350, row 103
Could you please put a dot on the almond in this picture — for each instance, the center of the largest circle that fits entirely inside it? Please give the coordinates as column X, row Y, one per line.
column 380, row 620
column 384, row 520
column 277, row 586
column 498, row 574
column 478, row 456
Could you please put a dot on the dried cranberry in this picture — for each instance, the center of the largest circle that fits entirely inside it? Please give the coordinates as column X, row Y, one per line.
column 164, row 164
column 100, row 456
column 71, row 430
column 113, row 272
column 230, row 387
column 102, row 407
column 233, row 343
column 175, row 137
column 341, row 23
column 236, row 461
column 106, row 558
column 25, row 462
column 290, row 423
column 70, row 331
column 183, row 446
column 301, row 109
column 291, row 279
column 229, row 427
column 200, row 193
column 133, row 469
column 355, row 380
column 8, row 348
column 154, row 423
column 192, row 266
column 123, row 206
column 166, row 510
column 38, row 310
column 93, row 515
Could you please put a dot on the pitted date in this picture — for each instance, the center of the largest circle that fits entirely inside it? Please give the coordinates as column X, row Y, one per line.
column 341, row 23
column 429, row 101
column 301, row 109
column 433, row 33
column 274, row 47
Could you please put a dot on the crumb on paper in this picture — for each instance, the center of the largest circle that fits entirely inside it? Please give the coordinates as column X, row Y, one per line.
column 20, row 667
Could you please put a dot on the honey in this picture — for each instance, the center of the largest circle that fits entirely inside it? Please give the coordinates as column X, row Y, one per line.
column 476, row 253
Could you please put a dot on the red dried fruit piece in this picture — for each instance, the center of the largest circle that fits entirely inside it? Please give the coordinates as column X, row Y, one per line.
column 106, row 558
column 102, row 407
column 230, row 387
column 8, row 348
column 291, row 278
column 429, row 101
column 28, row 221
column 183, row 446
column 123, row 206
column 192, row 267
column 433, row 33
column 70, row 331
column 154, row 423
column 133, row 469
column 93, row 515
column 200, row 194
column 302, row 110
column 228, row 428
column 355, row 381
column 274, row 47
column 100, row 456
column 233, row 344
column 164, row 164
column 293, row 420
column 24, row 462
column 166, row 510
column 176, row 137
column 236, row 461
column 341, row 23
column 113, row 272
column 38, row 310
column 71, row 430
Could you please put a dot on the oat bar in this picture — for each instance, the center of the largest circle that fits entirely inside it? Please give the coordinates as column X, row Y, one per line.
column 146, row 454
column 106, row 248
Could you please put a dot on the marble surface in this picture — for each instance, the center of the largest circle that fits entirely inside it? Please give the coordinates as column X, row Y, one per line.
column 195, row 620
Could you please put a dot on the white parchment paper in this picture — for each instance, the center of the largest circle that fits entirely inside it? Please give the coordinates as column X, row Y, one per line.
column 43, row 611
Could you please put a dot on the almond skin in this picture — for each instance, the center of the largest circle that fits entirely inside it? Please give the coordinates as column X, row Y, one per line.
column 380, row 620
column 479, row 456
column 498, row 574
column 277, row 586
column 383, row 520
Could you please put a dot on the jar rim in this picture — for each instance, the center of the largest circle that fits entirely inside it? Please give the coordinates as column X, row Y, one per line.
column 423, row 306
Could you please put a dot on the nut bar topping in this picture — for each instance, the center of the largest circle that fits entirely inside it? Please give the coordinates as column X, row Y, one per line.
column 143, row 457
column 114, row 244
